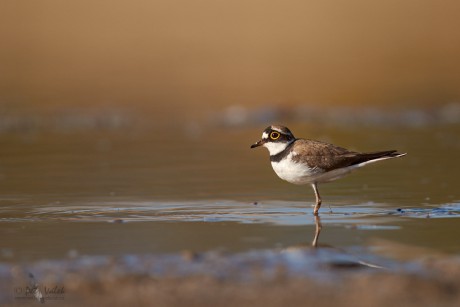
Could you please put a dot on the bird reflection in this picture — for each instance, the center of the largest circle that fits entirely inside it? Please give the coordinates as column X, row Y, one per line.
column 317, row 230
column 359, row 262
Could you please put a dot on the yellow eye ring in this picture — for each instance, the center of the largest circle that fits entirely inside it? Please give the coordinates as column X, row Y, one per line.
column 274, row 135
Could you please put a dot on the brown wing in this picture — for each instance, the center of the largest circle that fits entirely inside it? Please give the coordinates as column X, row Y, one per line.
column 329, row 157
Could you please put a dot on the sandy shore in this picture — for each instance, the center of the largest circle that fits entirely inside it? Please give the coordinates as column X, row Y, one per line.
column 322, row 277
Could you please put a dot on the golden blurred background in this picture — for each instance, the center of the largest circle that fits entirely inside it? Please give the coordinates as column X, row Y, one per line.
column 183, row 57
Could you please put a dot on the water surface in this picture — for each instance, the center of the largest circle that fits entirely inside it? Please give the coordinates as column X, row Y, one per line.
column 154, row 190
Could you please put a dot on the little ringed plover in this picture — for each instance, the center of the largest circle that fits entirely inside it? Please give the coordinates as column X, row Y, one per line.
column 302, row 161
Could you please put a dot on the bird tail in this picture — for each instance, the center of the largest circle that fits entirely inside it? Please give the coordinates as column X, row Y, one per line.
column 370, row 157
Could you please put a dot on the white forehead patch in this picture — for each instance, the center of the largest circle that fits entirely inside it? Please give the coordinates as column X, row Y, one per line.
column 265, row 135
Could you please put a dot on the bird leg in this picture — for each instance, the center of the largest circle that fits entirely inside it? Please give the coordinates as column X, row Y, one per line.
column 318, row 198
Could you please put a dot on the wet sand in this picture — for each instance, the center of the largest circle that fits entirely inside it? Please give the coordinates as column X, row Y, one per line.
column 295, row 276
column 377, row 290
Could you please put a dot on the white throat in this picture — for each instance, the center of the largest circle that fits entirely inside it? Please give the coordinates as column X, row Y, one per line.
column 275, row 148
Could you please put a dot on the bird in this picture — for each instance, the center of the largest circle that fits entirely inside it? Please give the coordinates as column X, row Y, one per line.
column 303, row 161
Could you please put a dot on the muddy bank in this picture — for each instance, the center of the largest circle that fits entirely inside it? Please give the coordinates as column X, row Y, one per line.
column 377, row 290
column 322, row 277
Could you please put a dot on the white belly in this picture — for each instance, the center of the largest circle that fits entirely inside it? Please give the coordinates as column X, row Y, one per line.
column 293, row 172
column 299, row 173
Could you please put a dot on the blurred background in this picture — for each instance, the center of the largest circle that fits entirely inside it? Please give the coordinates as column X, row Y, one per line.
column 191, row 69
column 183, row 59
column 137, row 104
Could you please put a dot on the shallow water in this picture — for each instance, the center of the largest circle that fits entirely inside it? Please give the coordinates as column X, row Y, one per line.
column 149, row 190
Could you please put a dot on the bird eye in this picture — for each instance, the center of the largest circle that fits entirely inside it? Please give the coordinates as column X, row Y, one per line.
column 274, row 135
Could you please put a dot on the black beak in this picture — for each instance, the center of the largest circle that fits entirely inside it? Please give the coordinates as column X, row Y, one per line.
column 257, row 144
